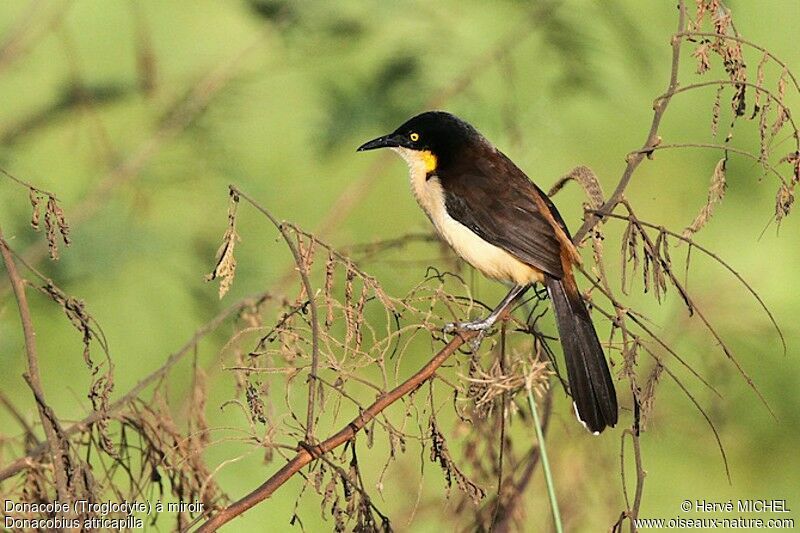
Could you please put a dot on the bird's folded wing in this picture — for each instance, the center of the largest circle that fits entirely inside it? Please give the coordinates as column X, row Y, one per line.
column 498, row 202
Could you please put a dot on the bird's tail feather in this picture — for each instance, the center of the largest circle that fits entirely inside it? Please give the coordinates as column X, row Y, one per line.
column 589, row 379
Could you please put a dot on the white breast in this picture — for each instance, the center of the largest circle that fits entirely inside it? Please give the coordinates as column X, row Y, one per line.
column 492, row 261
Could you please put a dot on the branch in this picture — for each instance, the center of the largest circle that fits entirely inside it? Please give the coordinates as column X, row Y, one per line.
column 26, row 461
column 54, row 440
column 302, row 268
column 712, row 146
column 632, row 513
column 690, row 34
column 304, row 457
column 754, row 86
column 26, row 184
column 653, row 139
column 306, row 454
column 716, row 258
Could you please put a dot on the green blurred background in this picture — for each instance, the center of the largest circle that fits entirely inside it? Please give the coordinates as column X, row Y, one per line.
column 292, row 88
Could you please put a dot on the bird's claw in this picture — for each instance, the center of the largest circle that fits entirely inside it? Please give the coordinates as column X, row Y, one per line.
column 477, row 325
column 480, row 326
column 451, row 327
column 476, row 341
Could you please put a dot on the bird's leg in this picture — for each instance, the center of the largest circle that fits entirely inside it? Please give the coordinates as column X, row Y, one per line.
column 482, row 326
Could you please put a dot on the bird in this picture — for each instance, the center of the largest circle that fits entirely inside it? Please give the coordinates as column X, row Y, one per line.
column 502, row 224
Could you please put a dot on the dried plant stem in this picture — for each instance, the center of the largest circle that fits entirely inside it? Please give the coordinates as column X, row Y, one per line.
column 548, row 476
column 133, row 394
column 632, row 512
column 738, row 39
column 716, row 258
column 653, row 139
column 756, row 87
column 26, row 184
column 302, row 268
column 56, row 446
column 306, row 454
column 712, row 146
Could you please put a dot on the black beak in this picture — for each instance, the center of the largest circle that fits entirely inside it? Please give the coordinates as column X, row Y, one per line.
column 386, row 141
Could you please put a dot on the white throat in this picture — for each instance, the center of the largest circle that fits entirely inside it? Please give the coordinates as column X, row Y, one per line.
column 492, row 261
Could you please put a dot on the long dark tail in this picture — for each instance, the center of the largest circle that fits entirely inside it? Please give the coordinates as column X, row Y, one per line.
column 587, row 372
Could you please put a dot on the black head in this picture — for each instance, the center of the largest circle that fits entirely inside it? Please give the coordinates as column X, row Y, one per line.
column 437, row 132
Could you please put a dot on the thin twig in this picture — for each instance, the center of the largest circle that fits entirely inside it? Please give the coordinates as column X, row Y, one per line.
column 635, row 159
column 754, row 86
column 312, row 304
column 55, row 444
column 632, row 513
column 133, row 394
column 745, row 42
column 720, row 262
column 26, row 184
column 304, row 456
column 712, row 146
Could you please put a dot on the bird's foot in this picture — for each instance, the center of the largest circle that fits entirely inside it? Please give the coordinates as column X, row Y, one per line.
column 475, row 325
column 480, row 326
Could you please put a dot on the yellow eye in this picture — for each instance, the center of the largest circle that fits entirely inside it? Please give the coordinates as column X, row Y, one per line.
column 414, row 137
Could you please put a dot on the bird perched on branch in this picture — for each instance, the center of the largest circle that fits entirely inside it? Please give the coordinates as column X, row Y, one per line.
column 502, row 224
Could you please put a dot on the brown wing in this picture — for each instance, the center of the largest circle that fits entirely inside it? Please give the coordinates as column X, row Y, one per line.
column 491, row 196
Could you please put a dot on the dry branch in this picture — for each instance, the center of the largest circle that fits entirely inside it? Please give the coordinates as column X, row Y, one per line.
column 653, row 139
column 293, row 344
column 135, row 392
column 56, row 443
column 306, row 454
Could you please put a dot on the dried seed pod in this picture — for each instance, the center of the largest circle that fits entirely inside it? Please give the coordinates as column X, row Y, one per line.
column 716, row 192
column 330, row 269
column 783, row 202
column 783, row 113
column 701, row 53
column 715, row 111
column 759, row 85
column 61, row 222
column 225, row 268
column 348, row 302
column 763, row 132
column 36, row 213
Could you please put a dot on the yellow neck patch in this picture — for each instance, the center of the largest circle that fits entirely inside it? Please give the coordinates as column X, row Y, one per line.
column 429, row 159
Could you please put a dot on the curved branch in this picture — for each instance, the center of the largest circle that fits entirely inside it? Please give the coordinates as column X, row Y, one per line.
column 306, row 454
column 745, row 42
column 720, row 262
column 713, row 146
column 54, row 436
column 753, row 86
